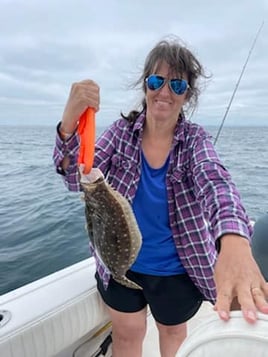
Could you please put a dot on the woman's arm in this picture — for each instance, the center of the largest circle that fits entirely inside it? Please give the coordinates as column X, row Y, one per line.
column 237, row 275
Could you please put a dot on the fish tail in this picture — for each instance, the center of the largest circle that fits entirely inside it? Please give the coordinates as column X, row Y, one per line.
column 123, row 280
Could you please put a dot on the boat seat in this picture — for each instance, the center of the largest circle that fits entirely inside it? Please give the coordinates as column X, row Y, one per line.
column 214, row 337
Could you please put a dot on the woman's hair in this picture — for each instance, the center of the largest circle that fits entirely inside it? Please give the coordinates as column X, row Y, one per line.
column 181, row 61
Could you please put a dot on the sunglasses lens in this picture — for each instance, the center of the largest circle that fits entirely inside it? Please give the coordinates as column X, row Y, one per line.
column 178, row 86
column 155, row 82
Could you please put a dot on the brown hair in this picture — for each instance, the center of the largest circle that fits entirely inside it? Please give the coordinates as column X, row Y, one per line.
column 181, row 61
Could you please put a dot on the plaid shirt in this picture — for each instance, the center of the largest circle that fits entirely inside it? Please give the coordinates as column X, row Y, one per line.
column 203, row 202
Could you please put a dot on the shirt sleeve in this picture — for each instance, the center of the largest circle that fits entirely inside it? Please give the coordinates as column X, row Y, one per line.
column 216, row 192
column 68, row 148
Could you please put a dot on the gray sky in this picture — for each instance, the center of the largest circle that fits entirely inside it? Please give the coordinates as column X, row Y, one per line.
column 45, row 46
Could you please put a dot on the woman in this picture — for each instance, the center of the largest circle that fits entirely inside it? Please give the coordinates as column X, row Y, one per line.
column 195, row 230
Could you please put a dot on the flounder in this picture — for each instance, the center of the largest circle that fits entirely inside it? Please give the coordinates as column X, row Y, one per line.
column 111, row 225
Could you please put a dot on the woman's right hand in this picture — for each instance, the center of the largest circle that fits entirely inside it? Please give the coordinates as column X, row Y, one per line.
column 83, row 94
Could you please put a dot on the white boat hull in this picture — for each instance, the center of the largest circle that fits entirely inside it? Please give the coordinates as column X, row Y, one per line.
column 62, row 315
column 53, row 315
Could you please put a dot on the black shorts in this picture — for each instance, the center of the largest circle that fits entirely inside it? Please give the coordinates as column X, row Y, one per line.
column 172, row 299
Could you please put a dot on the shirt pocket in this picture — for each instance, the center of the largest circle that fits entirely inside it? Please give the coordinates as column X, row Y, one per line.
column 181, row 175
column 122, row 173
column 120, row 164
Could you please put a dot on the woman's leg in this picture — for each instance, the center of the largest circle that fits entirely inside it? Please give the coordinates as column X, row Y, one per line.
column 128, row 312
column 173, row 300
column 129, row 330
column 170, row 338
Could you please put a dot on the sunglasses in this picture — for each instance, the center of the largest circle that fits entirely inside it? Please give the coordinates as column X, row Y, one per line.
column 156, row 82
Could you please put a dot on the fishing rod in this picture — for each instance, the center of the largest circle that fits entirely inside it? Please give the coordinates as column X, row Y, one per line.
column 237, row 84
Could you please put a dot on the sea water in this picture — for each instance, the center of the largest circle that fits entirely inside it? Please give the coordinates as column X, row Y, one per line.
column 42, row 224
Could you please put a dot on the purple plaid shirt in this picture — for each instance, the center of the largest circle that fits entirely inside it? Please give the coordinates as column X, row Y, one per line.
column 203, row 201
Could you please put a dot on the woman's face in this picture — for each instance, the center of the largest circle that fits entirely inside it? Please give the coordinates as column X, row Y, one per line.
column 163, row 104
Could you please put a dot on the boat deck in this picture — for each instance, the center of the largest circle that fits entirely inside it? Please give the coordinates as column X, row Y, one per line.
column 151, row 346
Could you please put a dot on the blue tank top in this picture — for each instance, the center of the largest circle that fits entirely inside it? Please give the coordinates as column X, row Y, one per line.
column 158, row 254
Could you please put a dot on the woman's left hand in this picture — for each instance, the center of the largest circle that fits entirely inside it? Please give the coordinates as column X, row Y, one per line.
column 238, row 278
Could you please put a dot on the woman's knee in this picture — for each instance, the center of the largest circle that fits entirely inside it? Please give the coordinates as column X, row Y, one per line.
column 176, row 331
column 129, row 326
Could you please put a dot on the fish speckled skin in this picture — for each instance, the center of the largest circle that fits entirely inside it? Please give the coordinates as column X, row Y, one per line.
column 112, row 228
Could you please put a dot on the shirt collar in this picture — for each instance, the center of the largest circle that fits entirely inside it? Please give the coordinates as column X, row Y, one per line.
column 179, row 134
column 138, row 125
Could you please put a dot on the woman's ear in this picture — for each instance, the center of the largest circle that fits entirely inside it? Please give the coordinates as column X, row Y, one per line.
column 186, row 99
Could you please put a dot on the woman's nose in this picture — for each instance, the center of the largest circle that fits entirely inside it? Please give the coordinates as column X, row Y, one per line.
column 165, row 89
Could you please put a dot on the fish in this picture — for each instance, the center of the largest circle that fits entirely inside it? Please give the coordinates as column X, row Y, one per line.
column 112, row 227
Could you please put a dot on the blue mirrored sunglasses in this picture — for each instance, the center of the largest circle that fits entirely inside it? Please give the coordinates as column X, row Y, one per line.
column 155, row 82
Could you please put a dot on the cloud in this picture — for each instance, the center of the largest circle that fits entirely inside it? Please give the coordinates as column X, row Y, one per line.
column 46, row 46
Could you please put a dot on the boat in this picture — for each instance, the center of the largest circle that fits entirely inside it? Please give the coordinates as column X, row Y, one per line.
column 62, row 315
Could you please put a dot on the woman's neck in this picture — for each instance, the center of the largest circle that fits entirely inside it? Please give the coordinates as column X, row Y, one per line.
column 156, row 142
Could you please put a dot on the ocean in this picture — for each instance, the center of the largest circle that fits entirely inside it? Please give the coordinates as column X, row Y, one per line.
column 42, row 224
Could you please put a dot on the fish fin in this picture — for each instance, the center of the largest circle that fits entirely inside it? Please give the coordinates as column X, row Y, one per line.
column 123, row 280
column 110, row 186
